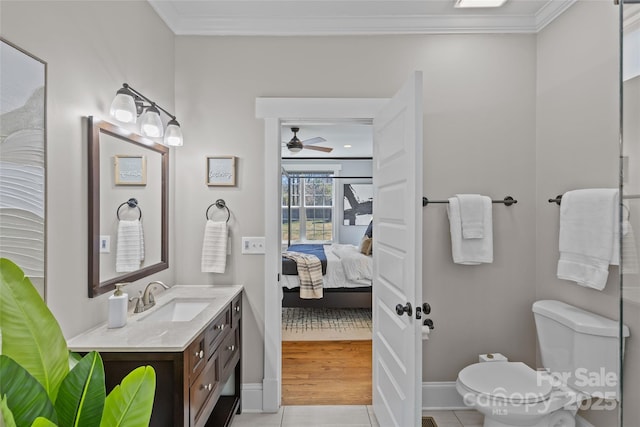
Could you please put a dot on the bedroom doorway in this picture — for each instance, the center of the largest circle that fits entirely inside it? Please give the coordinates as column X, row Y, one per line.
column 397, row 339
column 327, row 208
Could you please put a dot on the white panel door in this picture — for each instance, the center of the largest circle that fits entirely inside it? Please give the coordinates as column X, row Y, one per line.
column 397, row 257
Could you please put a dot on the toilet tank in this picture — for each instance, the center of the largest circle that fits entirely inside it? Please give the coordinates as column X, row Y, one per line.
column 580, row 347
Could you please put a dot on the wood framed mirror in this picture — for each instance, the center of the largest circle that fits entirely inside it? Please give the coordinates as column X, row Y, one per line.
column 128, row 206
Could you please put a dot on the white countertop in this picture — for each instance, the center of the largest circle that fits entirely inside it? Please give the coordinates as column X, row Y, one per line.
column 159, row 336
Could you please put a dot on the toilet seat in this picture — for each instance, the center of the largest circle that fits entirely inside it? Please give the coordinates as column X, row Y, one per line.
column 512, row 382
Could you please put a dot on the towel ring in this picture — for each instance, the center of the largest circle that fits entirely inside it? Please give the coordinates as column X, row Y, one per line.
column 220, row 204
column 132, row 203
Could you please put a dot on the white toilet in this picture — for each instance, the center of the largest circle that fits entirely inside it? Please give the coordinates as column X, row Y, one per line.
column 579, row 352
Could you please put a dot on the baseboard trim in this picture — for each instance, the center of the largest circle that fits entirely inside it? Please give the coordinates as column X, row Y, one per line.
column 251, row 397
column 438, row 395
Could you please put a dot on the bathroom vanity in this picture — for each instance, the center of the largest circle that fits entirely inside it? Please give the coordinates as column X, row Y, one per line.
column 192, row 337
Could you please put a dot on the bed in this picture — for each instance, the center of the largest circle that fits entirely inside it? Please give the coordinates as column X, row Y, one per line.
column 347, row 278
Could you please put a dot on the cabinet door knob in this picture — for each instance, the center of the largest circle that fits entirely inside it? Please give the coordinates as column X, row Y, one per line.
column 208, row 387
column 220, row 327
column 231, row 347
column 237, row 308
column 199, row 354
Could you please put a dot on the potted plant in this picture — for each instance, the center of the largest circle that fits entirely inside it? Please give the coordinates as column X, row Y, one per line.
column 43, row 384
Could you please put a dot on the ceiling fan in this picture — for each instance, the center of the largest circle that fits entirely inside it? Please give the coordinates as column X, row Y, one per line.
column 295, row 145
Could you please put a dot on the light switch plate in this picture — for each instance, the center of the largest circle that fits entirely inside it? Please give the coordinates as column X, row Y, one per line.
column 253, row 245
column 105, row 244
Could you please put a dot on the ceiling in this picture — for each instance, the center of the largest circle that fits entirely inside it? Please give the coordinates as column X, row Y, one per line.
column 352, row 17
column 337, row 135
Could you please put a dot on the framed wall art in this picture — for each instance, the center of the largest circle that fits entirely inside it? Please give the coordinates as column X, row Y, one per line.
column 221, row 171
column 130, row 170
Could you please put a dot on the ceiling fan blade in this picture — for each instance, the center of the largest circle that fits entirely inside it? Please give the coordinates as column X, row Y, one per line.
column 324, row 149
column 315, row 140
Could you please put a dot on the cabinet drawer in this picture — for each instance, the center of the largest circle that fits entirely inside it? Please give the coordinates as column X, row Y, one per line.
column 204, row 386
column 236, row 311
column 196, row 355
column 229, row 353
column 216, row 331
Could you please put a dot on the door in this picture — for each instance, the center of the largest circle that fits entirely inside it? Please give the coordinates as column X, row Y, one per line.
column 397, row 257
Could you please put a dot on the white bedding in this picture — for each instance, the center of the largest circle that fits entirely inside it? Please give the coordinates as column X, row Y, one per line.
column 346, row 268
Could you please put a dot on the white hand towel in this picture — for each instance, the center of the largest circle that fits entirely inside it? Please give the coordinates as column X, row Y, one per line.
column 472, row 215
column 128, row 253
column 470, row 251
column 214, row 247
column 588, row 236
column 141, row 241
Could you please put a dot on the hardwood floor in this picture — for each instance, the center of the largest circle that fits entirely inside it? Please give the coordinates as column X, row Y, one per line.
column 326, row 372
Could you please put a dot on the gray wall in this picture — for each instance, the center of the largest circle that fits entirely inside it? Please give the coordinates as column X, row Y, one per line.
column 91, row 48
column 577, row 147
column 479, row 103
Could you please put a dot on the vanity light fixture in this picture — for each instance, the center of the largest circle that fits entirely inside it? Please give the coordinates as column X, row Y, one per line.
column 479, row 3
column 129, row 104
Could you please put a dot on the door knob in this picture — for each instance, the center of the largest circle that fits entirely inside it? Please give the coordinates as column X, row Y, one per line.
column 426, row 308
column 400, row 309
column 429, row 323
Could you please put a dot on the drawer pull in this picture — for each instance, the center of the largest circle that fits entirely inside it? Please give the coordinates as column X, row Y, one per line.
column 208, row 387
column 220, row 327
column 199, row 354
column 231, row 347
column 237, row 308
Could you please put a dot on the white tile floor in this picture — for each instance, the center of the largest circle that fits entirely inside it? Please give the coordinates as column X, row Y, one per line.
column 352, row 416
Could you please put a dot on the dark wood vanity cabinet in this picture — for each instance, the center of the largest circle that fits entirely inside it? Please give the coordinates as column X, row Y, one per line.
column 195, row 388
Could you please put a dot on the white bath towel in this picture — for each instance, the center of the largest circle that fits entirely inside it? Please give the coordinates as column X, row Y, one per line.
column 588, row 240
column 129, row 246
column 472, row 215
column 214, row 247
column 470, row 251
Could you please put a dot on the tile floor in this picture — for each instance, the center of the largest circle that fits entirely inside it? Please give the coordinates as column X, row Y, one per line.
column 352, row 416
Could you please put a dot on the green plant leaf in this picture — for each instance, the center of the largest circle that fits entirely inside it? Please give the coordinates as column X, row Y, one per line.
column 30, row 334
column 43, row 422
column 74, row 358
column 130, row 403
column 6, row 416
column 82, row 394
column 25, row 396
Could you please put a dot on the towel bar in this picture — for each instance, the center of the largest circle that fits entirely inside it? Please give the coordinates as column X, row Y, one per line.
column 508, row 201
column 220, row 204
column 132, row 203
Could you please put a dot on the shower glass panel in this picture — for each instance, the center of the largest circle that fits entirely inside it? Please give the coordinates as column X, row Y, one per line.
column 630, row 211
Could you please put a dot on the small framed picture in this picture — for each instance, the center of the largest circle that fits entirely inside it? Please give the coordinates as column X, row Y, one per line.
column 130, row 170
column 221, row 171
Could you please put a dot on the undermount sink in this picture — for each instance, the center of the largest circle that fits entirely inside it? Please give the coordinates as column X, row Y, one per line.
column 178, row 310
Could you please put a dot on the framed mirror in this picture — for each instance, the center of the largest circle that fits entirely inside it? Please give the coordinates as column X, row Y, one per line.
column 128, row 206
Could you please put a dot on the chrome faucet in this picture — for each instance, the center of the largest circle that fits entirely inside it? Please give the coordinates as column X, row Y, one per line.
column 146, row 300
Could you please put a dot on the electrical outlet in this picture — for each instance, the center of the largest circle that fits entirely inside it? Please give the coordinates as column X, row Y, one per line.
column 105, row 244
column 253, row 245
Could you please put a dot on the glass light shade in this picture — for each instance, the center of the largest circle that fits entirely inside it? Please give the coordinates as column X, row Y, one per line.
column 173, row 134
column 295, row 149
column 123, row 107
column 150, row 123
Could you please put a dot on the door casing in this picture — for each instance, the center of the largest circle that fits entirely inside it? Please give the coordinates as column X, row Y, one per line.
column 275, row 111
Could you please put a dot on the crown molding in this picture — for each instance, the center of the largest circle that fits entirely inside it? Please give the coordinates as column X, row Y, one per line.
column 249, row 25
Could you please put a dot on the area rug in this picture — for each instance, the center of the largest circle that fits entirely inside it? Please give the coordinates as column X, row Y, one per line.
column 326, row 324
column 429, row 422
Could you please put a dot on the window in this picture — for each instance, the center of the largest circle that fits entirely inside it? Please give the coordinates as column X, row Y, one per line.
column 312, row 202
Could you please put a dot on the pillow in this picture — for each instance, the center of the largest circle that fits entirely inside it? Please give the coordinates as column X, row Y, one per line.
column 366, row 245
column 369, row 232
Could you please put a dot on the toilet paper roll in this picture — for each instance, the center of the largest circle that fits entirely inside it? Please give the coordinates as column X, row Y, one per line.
column 492, row 357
